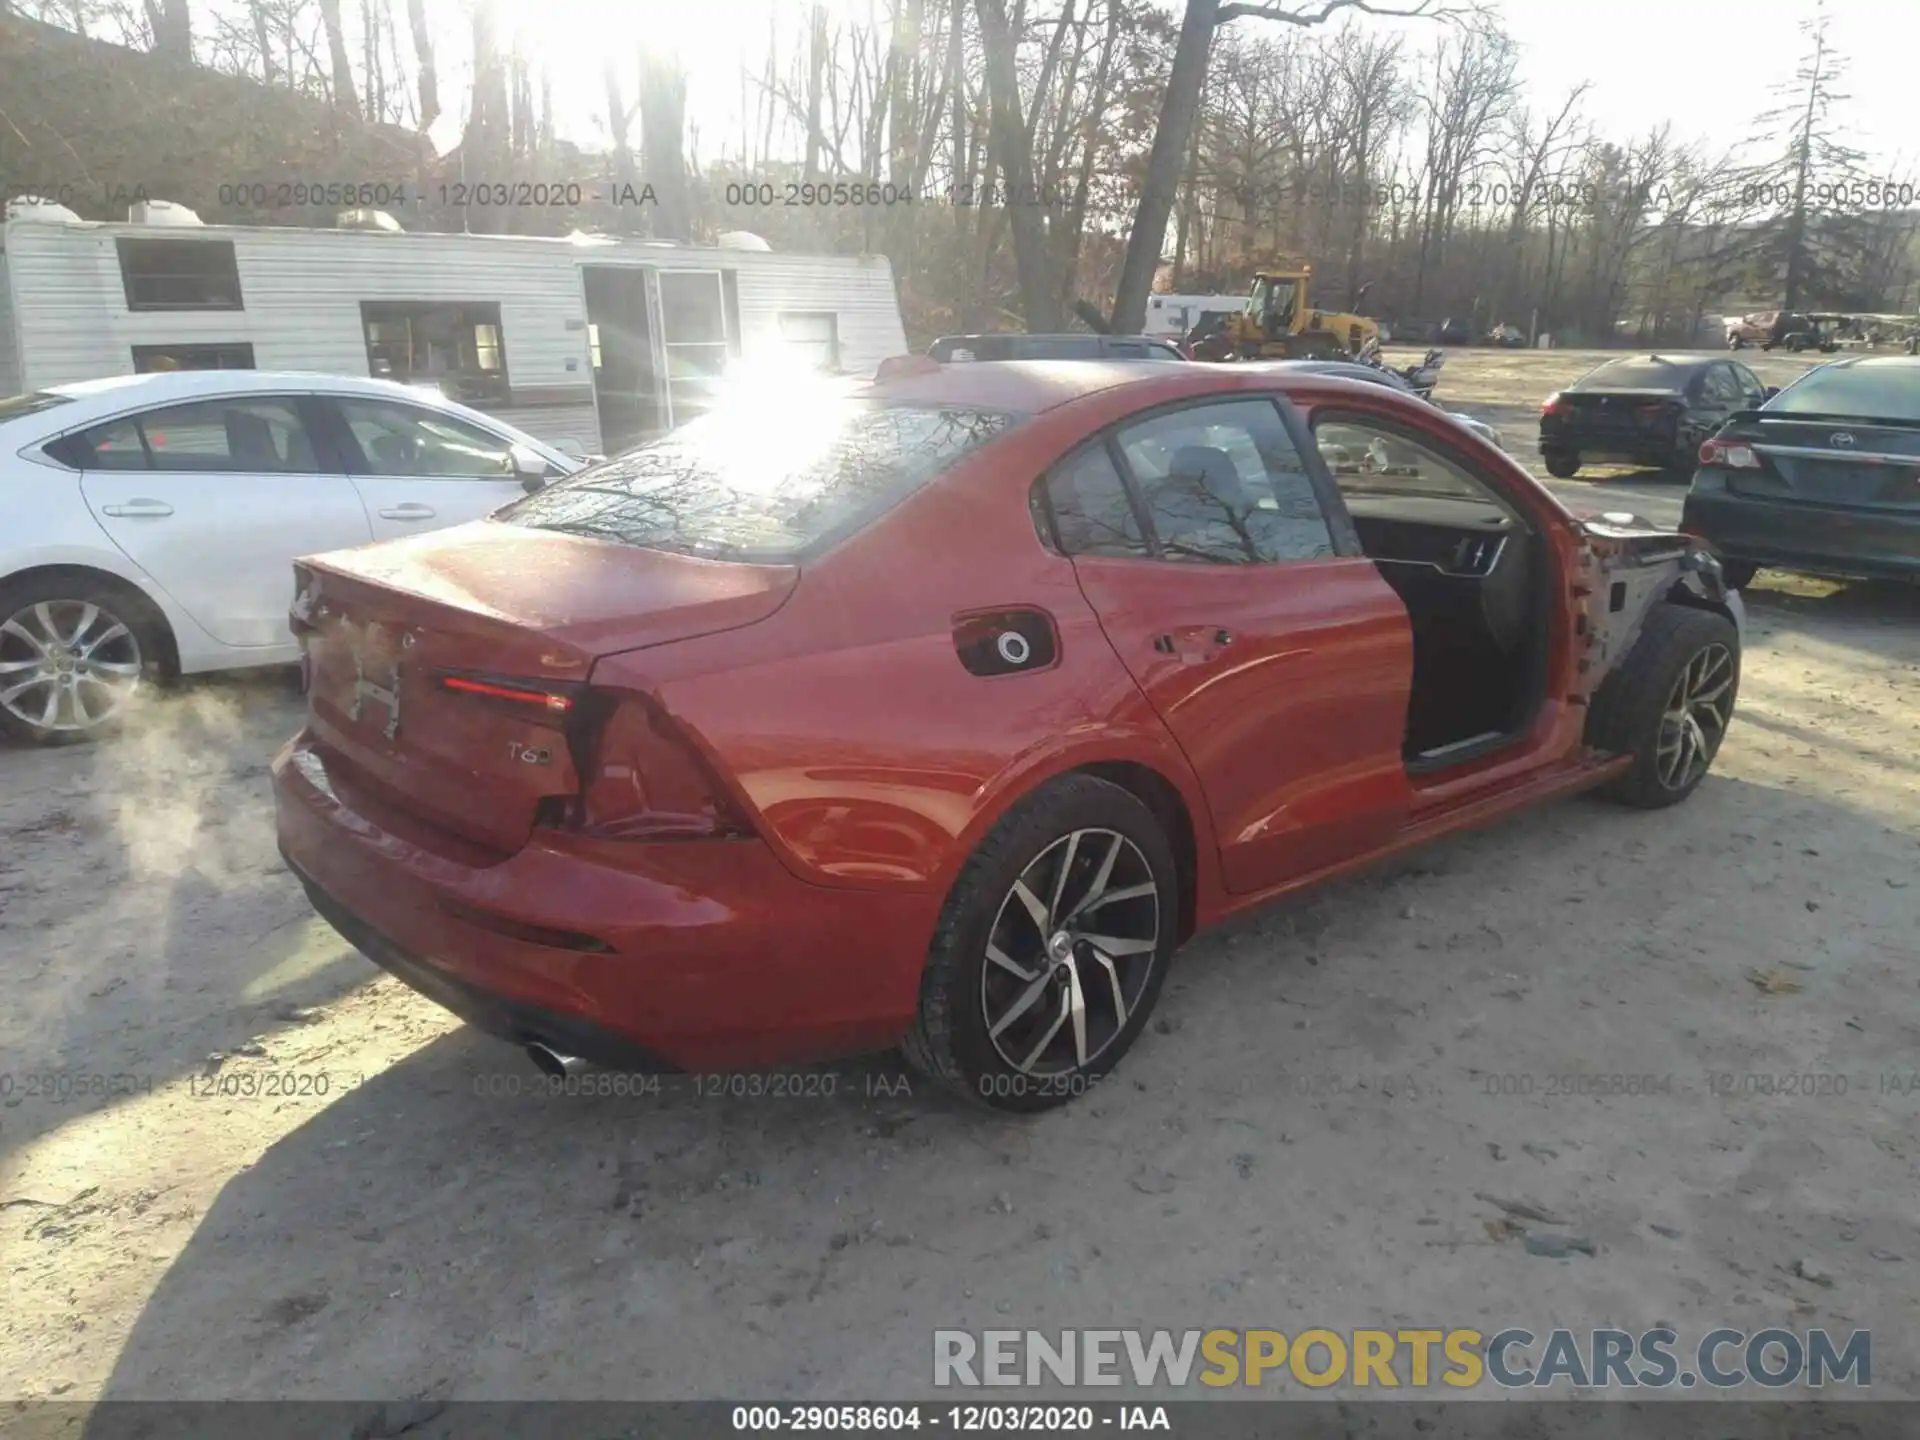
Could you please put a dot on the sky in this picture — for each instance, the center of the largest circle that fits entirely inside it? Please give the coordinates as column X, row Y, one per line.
column 1706, row 65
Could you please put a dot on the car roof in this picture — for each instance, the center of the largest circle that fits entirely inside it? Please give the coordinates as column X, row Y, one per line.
column 1679, row 362
column 1346, row 369
column 1032, row 386
column 190, row 384
column 1020, row 386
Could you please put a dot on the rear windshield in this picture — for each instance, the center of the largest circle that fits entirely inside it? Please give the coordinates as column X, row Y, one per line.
column 1636, row 375
column 13, row 407
column 1878, row 392
column 730, row 490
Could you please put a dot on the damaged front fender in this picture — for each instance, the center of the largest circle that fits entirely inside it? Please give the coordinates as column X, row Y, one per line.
column 1631, row 566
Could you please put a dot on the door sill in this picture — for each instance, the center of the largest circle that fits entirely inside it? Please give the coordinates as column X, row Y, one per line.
column 1461, row 752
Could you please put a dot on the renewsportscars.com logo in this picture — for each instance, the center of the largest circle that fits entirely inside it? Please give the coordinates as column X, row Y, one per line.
column 1391, row 1359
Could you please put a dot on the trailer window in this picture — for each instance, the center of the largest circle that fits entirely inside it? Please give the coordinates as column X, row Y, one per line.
column 458, row 348
column 179, row 274
column 812, row 336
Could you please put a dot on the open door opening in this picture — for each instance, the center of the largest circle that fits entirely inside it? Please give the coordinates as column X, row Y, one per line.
column 1474, row 576
column 626, row 388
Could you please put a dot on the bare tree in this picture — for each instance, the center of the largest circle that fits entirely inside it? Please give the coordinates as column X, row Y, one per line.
column 1200, row 21
column 343, row 90
column 663, row 141
column 172, row 28
column 423, row 58
column 1012, row 147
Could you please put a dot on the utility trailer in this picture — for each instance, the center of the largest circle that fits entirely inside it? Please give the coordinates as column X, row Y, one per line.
column 591, row 343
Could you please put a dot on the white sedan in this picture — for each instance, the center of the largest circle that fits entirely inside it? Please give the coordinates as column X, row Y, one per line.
column 152, row 520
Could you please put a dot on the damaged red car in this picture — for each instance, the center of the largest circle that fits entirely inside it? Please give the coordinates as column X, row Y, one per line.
column 937, row 713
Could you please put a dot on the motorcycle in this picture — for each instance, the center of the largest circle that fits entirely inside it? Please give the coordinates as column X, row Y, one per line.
column 1422, row 377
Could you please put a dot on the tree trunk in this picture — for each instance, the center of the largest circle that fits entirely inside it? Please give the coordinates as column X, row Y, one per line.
column 663, row 142
column 258, row 15
column 172, row 26
column 1026, row 216
column 344, row 98
column 1066, row 264
column 816, row 69
column 617, row 120
column 483, row 145
column 1177, row 110
column 423, row 57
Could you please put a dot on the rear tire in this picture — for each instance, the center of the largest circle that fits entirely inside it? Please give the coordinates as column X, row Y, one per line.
column 1023, row 1005
column 1734, row 342
column 1561, row 464
column 1668, row 705
column 76, row 653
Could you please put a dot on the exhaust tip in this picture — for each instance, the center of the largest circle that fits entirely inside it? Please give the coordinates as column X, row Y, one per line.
column 549, row 1061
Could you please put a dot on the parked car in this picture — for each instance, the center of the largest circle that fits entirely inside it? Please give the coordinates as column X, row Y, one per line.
column 1398, row 380
column 1651, row 410
column 1797, row 333
column 1824, row 477
column 1066, row 346
column 1755, row 329
column 1454, row 332
column 1507, row 337
column 153, row 520
column 942, row 715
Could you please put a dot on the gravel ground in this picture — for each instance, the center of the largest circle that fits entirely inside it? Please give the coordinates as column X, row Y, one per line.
column 1309, row 1136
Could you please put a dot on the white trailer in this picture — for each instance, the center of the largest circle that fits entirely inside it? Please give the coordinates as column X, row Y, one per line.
column 587, row 342
column 1172, row 316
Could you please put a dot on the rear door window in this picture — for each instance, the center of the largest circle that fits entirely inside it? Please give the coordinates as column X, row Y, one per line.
column 726, row 488
column 1223, row 484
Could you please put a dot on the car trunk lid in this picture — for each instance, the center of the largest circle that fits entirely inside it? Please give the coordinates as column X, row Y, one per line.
column 444, row 673
column 1829, row 460
column 1610, row 414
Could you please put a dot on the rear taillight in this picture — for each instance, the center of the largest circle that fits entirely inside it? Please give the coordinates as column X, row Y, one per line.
column 1731, row 454
column 641, row 778
column 1554, row 404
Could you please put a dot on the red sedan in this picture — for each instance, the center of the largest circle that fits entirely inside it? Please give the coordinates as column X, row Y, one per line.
column 939, row 713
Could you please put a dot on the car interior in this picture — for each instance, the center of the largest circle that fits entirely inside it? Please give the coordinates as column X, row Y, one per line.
column 1473, row 574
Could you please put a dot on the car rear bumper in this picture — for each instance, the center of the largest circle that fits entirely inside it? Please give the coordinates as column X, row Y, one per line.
column 1611, row 448
column 687, row 956
column 1865, row 543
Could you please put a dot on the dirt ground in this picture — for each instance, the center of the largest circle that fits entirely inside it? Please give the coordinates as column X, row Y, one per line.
column 1306, row 1137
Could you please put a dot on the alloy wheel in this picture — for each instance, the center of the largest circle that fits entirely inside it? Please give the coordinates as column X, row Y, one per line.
column 1695, row 719
column 67, row 665
column 1070, row 953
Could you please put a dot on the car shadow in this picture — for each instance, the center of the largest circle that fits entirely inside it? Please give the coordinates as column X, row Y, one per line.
column 1786, row 596
column 455, row 1227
